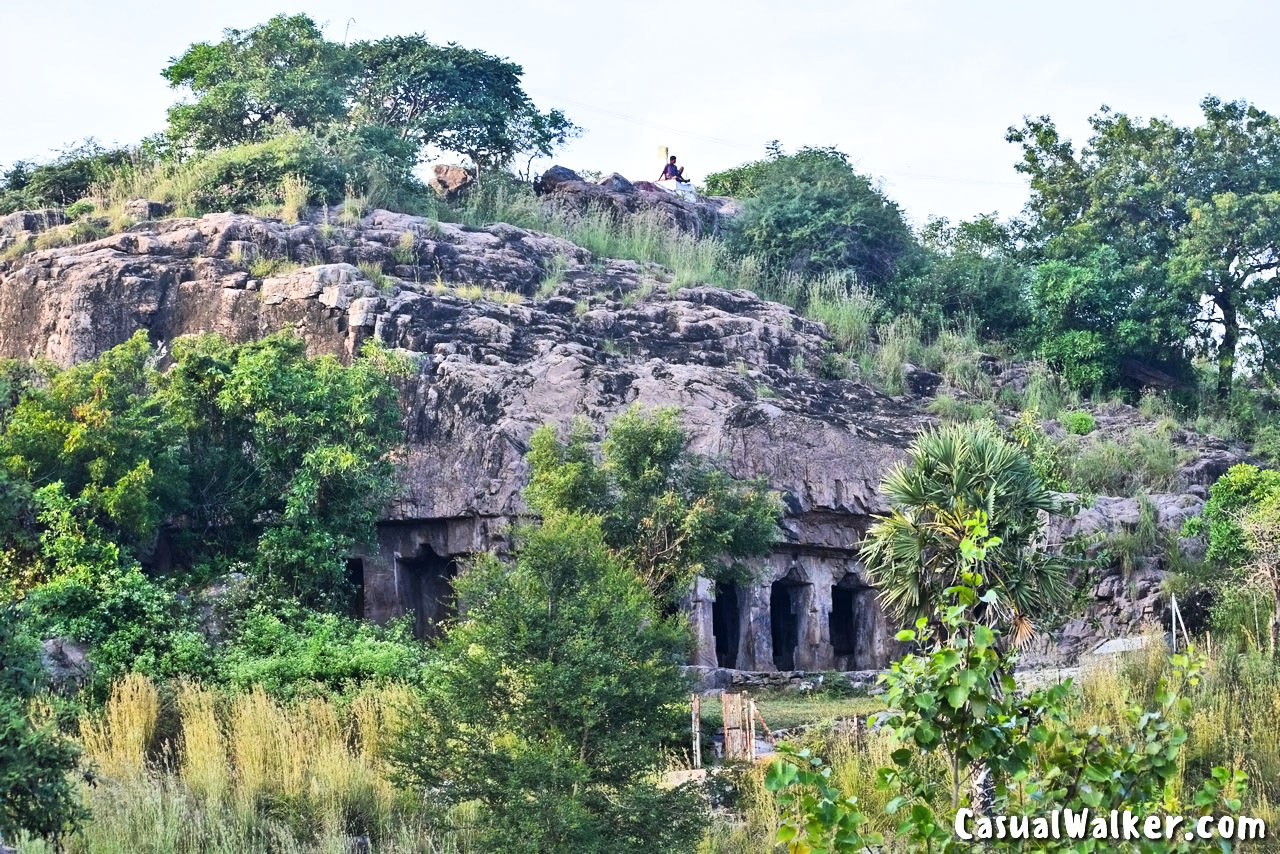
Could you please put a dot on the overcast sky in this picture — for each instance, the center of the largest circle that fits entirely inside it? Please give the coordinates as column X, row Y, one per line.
column 919, row 94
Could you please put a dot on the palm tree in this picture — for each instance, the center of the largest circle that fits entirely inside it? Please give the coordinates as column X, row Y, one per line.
column 913, row 553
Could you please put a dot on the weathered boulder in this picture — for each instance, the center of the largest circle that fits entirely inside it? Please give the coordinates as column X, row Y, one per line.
column 450, row 181
column 66, row 665
column 145, row 209
column 616, row 183
column 557, row 175
column 566, row 193
column 15, row 224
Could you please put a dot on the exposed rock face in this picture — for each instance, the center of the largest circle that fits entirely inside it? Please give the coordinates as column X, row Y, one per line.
column 609, row 334
column 503, row 351
column 1124, row 601
column 566, row 191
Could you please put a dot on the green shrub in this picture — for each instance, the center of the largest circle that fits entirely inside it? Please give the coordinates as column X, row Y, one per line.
column 240, row 177
column 1078, row 421
column 37, row 795
column 1241, row 489
column 1266, row 443
column 80, row 209
column 290, row 650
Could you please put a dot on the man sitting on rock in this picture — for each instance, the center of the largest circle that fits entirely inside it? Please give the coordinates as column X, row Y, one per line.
column 671, row 172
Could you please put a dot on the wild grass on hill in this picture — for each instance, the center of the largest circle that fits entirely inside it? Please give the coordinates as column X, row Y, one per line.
column 198, row 770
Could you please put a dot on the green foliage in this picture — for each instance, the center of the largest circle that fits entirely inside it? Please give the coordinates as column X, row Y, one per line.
column 62, row 181
column 97, row 595
column 811, row 213
column 1041, row 450
column 1240, row 490
column 289, row 650
column 960, row 700
column 252, row 454
column 1144, row 225
column 281, row 74
column 287, row 455
column 817, row 817
column 36, row 794
column 548, row 699
column 967, row 273
column 243, row 176
column 913, row 554
column 452, row 98
column 1078, row 421
column 671, row 515
column 1142, row 461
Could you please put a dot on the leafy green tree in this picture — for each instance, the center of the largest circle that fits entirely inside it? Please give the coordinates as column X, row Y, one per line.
column 1187, row 216
column 914, row 553
column 811, row 213
column 968, row 272
column 248, row 453
column 36, row 794
column 671, row 515
column 453, row 98
column 282, row 74
column 549, row 698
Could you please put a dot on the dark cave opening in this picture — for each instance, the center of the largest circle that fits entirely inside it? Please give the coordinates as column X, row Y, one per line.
column 726, row 624
column 426, row 589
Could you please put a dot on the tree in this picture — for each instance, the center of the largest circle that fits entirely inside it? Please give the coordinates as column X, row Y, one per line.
column 249, row 453
column 669, row 514
column 36, row 793
column 453, row 98
column 914, row 553
column 283, row 72
column 811, row 213
column 1187, row 215
column 968, row 272
column 549, row 699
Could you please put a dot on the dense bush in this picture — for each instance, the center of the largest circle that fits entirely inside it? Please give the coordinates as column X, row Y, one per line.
column 811, row 213
column 244, row 176
column 36, row 794
column 1078, row 421
column 252, row 455
column 671, row 514
column 68, row 177
column 288, row 650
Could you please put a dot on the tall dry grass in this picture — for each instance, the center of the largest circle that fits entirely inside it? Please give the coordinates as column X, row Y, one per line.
column 198, row 769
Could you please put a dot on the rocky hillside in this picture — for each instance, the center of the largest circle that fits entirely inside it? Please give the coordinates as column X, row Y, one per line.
column 515, row 329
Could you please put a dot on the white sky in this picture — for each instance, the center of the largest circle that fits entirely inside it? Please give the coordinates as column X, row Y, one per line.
column 919, row 94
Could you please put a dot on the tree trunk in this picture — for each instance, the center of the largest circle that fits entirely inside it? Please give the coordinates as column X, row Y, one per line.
column 1230, row 339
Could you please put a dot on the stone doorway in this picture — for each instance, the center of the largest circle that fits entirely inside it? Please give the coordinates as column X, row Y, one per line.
column 786, row 600
column 852, row 624
column 726, row 624
column 355, row 578
column 426, row 589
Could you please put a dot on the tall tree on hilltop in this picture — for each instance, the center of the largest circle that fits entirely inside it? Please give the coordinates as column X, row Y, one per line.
column 453, row 98
column 1187, row 217
column 283, row 71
